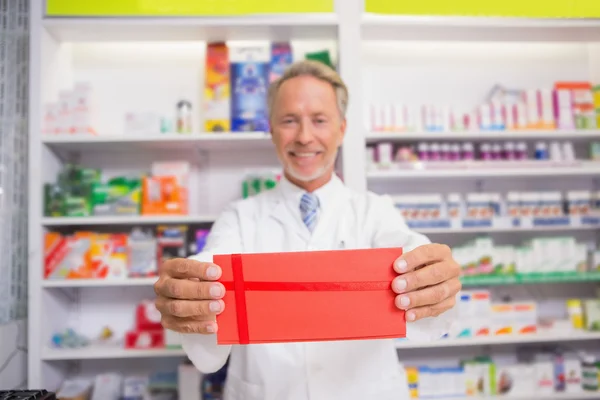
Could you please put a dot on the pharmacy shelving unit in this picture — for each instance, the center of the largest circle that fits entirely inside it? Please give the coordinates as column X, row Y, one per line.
column 456, row 61
column 136, row 64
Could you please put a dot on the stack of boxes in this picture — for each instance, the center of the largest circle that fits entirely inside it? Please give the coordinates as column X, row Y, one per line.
column 81, row 192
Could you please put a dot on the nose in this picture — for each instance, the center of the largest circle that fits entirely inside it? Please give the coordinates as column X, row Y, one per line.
column 304, row 135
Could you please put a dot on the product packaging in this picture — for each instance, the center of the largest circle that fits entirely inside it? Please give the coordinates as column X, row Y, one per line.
column 166, row 191
column 147, row 333
column 525, row 317
column 281, row 58
column 201, row 236
column 259, row 181
column 546, row 102
column 82, row 109
column 142, row 123
column 171, row 242
column 119, row 196
column 85, row 255
column 591, row 314
column 249, row 80
column 544, row 374
column 318, row 281
column 531, row 99
column 142, row 254
column 217, row 89
column 65, row 115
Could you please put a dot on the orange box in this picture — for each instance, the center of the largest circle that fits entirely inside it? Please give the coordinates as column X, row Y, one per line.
column 162, row 195
column 309, row 296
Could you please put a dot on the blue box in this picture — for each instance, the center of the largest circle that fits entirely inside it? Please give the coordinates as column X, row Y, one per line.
column 249, row 85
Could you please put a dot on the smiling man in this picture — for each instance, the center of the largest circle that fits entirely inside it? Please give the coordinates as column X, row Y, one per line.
column 311, row 209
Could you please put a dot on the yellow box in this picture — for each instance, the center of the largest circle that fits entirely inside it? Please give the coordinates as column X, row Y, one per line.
column 98, row 8
column 596, row 93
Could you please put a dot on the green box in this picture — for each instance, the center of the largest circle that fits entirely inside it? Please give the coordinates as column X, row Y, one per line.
column 119, row 196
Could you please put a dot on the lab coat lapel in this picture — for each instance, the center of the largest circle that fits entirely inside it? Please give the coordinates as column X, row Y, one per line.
column 281, row 212
column 333, row 212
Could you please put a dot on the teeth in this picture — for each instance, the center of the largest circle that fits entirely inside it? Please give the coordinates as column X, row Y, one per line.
column 305, row 154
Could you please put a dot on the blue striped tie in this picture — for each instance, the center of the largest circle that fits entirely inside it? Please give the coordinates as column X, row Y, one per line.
column 309, row 205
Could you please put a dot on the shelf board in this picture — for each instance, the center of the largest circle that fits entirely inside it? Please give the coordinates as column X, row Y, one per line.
column 480, row 170
column 129, row 220
column 373, row 137
column 555, row 228
column 554, row 396
column 479, row 29
column 495, row 280
column 106, row 352
column 502, row 340
column 64, row 144
column 257, row 27
column 82, row 283
column 557, row 277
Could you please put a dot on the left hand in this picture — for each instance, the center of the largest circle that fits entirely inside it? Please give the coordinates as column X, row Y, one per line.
column 428, row 283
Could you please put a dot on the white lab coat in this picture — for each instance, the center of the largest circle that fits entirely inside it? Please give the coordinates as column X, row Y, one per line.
column 348, row 370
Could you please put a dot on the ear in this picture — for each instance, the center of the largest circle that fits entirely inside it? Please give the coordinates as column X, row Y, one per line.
column 342, row 131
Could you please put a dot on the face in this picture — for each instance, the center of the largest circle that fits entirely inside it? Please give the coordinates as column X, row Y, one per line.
column 307, row 130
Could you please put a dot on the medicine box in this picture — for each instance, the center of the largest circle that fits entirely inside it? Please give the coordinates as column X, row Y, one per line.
column 249, row 80
column 217, row 88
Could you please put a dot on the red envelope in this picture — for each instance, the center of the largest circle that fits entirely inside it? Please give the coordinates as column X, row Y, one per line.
column 309, row 296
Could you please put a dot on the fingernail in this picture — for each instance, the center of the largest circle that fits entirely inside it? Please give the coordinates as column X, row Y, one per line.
column 410, row 316
column 401, row 265
column 212, row 272
column 404, row 301
column 215, row 306
column 216, row 291
column 400, row 285
column 210, row 328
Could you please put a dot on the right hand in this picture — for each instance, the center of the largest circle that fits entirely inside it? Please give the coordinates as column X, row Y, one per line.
column 188, row 298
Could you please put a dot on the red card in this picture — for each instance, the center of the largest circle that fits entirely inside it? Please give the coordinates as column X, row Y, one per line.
column 309, row 296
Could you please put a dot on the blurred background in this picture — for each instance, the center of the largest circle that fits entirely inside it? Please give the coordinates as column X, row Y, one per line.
column 123, row 134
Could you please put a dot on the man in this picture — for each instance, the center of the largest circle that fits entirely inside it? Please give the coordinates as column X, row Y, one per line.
column 311, row 209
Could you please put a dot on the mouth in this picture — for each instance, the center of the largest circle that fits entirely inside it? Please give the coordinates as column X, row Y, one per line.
column 304, row 157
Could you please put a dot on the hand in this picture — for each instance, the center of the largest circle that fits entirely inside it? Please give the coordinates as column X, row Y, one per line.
column 188, row 298
column 429, row 281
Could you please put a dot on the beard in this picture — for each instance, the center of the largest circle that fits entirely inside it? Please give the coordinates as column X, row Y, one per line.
column 319, row 172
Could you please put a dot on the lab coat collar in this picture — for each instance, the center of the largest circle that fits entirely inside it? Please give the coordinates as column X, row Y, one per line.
column 288, row 195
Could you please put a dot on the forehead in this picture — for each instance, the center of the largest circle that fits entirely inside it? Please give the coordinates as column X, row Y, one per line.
column 304, row 90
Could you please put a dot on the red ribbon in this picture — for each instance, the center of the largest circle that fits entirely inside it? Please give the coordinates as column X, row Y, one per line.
column 239, row 286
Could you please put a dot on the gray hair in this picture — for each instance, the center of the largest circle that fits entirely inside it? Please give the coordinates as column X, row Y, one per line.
column 317, row 70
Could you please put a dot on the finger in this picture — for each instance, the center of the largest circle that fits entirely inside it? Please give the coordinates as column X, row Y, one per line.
column 427, row 276
column 184, row 289
column 190, row 308
column 419, row 313
column 429, row 296
column 189, row 325
column 423, row 255
column 183, row 268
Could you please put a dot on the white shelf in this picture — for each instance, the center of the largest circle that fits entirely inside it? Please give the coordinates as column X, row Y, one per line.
column 82, row 283
column 502, row 340
column 479, row 170
column 553, row 396
column 483, row 135
column 478, row 29
column 549, row 228
column 259, row 27
column 63, row 144
column 132, row 220
column 106, row 352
